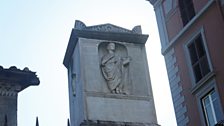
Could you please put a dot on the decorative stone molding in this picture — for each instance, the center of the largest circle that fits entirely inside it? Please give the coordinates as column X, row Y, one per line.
column 15, row 80
column 176, row 88
column 12, row 81
column 7, row 90
column 111, row 123
column 130, row 97
column 106, row 28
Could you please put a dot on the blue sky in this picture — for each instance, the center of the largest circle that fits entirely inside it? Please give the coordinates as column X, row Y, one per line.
column 35, row 34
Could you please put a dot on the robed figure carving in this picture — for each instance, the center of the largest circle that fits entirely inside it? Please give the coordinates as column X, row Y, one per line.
column 115, row 70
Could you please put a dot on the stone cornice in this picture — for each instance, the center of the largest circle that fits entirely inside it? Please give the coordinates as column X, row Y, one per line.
column 102, row 32
column 14, row 78
column 79, row 25
column 113, row 123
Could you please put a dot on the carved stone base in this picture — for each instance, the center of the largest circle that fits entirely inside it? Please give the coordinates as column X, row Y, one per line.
column 111, row 123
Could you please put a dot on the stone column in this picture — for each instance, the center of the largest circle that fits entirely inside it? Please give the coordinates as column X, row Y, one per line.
column 12, row 81
column 8, row 107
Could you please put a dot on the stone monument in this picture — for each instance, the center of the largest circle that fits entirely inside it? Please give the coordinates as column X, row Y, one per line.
column 108, row 77
column 13, row 81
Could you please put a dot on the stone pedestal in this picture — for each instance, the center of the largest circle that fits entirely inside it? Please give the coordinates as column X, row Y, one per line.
column 108, row 76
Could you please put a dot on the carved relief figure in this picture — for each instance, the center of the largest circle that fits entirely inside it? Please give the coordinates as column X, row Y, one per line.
column 115, row 70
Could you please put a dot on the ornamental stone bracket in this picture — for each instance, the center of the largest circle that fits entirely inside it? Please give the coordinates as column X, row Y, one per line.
column 8, row 90
column 14, row 80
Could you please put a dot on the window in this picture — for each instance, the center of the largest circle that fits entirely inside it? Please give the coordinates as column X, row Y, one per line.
column 199, row 59
column 211, row 108
column 186, row 10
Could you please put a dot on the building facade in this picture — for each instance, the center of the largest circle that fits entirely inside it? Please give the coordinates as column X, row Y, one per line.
column 192, row 35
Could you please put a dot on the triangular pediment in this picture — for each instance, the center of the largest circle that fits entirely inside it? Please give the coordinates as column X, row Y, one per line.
column 107, row 28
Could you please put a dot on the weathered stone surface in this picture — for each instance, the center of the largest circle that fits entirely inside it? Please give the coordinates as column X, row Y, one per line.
column 111, row 123
column 16, row 78
column 111, row 82
column 8, row 107
column 12, row 81
column 107, row 28
column 115, row 68
column 120, row 110
column 90, row 58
